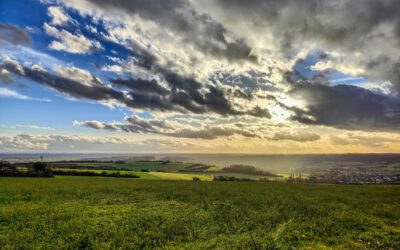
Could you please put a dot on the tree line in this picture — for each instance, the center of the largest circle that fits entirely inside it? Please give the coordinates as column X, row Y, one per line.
column 38, row 169
column 44, row 169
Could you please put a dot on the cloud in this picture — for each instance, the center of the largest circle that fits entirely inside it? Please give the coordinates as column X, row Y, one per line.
column 9, row 93
column 179, row 129
column 72, row 43
column 113, row 68
column 91, row 90
column 32, row 126
column 357, row 139
column 186, row 95
column 135, row 124
column 141, row 85
column 5, row 76
column 13, row 35
column 362, row 36
column 78, row 143
column 299, row 137
column 347, row 107
column 22, row 142
column 77, row 74
column 185, row 91
column 46, row 142
column 58, row 16
column 222, row 59
column 179, row 17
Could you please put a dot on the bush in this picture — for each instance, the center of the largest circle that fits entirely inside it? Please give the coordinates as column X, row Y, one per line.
column 93, row 173
column 40, row 169
column 246, row 169
column 8, row 169
column 230, row 178
column 196, row 179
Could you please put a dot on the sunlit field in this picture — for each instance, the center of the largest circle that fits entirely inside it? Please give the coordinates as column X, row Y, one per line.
column 105, row 213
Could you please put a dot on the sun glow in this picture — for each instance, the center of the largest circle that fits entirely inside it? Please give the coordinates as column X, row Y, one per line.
column 279, row 114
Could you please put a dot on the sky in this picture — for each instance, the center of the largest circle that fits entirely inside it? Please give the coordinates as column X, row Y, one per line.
column 211, row 76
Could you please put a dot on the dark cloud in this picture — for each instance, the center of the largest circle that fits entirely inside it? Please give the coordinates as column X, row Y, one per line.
column 179, row 17
column 340, row 106
column 98, row 125
column 144, row 58
column 242, row 94
column 347, row 107
column 209, row 133
column 14, row 35
column 92, row 90
column 260, row 112
column 299, row 137
column 332, row 21
column 186, row 94
column 364, row 32
column 248, row 81
column 141, row 85
column 135, row 124
column 347, row 26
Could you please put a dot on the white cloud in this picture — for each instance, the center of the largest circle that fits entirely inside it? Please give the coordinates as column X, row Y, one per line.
column 32, row 126
column 77, row 74
column 72, row 43
column 113, row 68
column 58, row 16
column 84, row 144
column 4, row 92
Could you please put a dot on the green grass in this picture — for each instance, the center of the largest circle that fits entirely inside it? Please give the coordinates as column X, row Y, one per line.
column 214, row 169
column 105, row 213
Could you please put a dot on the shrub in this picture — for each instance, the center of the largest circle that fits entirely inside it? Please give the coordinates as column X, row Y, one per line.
column 93, row 173
column 8, row 169
column 230, row 178
column 246, row 169
column 40, row 169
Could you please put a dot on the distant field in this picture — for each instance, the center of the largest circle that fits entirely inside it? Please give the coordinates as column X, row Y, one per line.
column 150, row 175
column 150, row 165
column 236, row 175
column 105, row 213
column 204, row 176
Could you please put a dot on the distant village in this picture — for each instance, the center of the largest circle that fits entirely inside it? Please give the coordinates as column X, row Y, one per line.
column 350, row 175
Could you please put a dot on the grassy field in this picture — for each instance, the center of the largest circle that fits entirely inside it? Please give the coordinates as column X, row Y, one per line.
column 137, row 166
column 204, row 176
column 171, row 170
column 103, row 213
column 149, row 175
